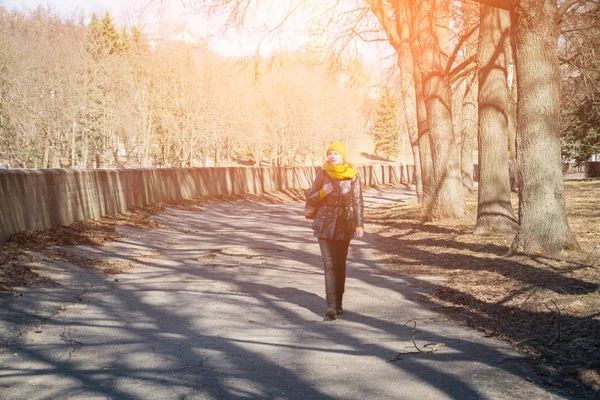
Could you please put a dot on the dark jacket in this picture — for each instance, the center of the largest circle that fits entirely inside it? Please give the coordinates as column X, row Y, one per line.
column 341, row 211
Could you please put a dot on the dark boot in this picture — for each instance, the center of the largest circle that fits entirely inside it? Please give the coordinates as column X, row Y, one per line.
column 338, row 304
column 331, row 306
column 340, row 275
column 328, row 253
column 330, row 293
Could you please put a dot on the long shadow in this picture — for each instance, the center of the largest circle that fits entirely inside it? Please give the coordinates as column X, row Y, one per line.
column 191, row 358
column 485, row 316
column 279, row 380
column 556, row 346
column 184, row 338
column 446, row 382
column 166, row 323
column 541, row 278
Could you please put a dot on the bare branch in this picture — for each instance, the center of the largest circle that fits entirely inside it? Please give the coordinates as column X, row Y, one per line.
column 366, row 40
column 458, row 47
column 562, row 10
column 286, row 17
column 434, row 346
column 460, row 67
column 389, row 26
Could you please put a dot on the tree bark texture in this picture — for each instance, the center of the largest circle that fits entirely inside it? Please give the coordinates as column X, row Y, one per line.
column 468, row 133
column 409, row 98
column 512, row 120
column 543, row 226
column 423, row 141
column 469, row 109
column 448, row 195
column 512, row 95
column 494, row 209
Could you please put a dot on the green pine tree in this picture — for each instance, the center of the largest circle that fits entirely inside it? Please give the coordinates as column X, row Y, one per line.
column 124, row 41
column 110, row 35
column 386, row 132
column 137, row 40
column 94, row 41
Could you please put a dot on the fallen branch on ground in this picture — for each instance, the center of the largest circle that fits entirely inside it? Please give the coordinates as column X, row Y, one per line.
column 557, row 319
column 419, row 350
column 592, row 258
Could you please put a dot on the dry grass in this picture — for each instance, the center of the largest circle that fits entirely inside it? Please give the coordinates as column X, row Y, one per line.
column 548, row 307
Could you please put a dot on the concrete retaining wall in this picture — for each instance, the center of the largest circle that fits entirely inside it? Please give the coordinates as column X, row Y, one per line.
column 39, row 199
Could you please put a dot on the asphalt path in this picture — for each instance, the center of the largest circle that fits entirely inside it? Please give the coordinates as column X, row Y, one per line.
column 227, row 302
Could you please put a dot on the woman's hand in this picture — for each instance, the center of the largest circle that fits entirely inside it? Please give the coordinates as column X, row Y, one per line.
column 328, row 188
column 359, row 232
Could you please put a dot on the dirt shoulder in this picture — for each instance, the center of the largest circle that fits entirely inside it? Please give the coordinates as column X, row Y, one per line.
column 548, row 308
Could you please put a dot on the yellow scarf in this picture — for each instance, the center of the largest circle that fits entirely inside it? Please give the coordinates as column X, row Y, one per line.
column 339, row 172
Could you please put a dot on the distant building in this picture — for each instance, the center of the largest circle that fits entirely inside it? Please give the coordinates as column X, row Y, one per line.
column 172, row 34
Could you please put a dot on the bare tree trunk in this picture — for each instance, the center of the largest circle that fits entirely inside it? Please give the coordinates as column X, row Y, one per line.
column 84, row 151
column 400, row 28
column 46, row 160
column 191, row 147
column 469, row 109
column 468, row 133
column 423, row 142
column 494, row 210
column 73, row 146
column 55, row 152
column 147, row 132
column 512, row 116
column 448, row 200
column 409, row 98
column 543, row 226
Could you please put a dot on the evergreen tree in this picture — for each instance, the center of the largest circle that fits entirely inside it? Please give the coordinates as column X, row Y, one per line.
column 110, row 34
column 94, row 41
column 137, row 42
column 124, row 41
column 386, row 132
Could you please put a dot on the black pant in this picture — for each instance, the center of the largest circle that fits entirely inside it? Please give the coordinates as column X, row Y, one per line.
column 334, row 253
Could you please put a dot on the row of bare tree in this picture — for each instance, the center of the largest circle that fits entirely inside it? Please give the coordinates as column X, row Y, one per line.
column 440, row 44
column 490, row 36
column 91, row 95
column 77, row 95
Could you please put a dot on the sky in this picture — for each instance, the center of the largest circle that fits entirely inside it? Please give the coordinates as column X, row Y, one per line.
column 233, row 43
column 67, row 7
column 128, row 12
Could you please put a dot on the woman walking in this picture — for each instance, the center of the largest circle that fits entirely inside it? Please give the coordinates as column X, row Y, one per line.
column 338, row 194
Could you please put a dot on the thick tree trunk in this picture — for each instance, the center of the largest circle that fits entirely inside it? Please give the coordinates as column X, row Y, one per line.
column 423, row 142
column 512, row 96
column 494, row 210
column 512, row 116
column 448, row 196
column 543, row 226
column 409, row 98
column 469, row 118
column 468, row 134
